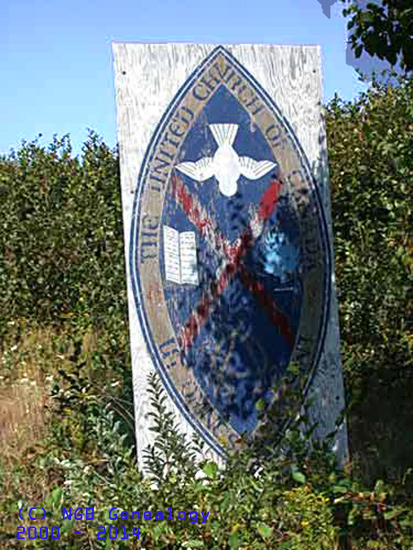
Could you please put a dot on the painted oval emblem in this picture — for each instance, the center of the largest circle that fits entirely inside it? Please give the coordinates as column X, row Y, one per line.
column 229, row 256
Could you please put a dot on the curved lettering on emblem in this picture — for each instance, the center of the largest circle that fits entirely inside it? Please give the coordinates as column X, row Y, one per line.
column 230, row 259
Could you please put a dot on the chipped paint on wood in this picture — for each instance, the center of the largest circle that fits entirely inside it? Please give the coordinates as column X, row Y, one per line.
column 227, row 233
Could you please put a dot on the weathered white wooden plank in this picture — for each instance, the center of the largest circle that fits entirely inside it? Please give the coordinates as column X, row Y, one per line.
column 147, row 78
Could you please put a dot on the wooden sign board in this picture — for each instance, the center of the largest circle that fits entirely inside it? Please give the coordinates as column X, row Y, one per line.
column 228, row 237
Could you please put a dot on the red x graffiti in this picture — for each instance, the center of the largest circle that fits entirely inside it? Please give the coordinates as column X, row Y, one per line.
column 233, row 264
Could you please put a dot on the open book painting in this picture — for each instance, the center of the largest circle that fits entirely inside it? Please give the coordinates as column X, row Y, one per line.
column 180, row 256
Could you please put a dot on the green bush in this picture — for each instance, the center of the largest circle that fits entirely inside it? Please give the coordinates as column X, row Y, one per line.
column 371, row 166
column 308, row 519
column 61, row 239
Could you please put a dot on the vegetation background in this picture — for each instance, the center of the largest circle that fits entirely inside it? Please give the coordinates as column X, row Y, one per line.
column 66, row 413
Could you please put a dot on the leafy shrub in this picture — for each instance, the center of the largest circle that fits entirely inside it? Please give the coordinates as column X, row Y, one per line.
column 308, row 518
column 371, row 166
column 61, row 239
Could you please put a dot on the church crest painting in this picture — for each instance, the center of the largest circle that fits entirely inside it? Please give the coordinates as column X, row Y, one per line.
column 229, row 254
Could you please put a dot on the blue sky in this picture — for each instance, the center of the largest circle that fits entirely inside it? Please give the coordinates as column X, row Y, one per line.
column 56, row 57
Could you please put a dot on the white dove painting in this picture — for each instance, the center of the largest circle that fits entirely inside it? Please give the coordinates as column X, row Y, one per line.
column 226, row 165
